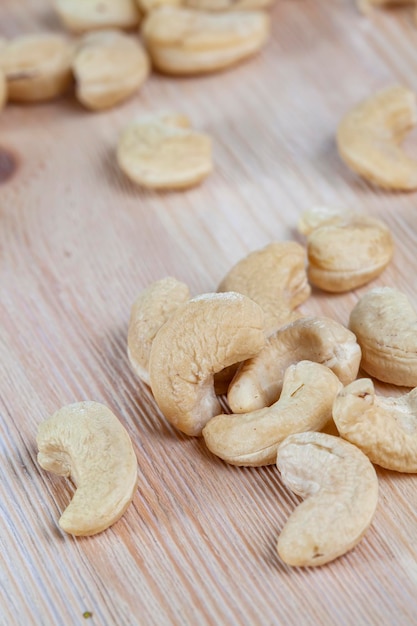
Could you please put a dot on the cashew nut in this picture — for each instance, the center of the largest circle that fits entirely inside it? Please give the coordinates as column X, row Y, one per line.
column 109, row 67
column 345, row 252
column 385, row 325
column 149, row 313
column 275, row 278
column 37, row 67
column 3, row 89
column 385, row 429
column 259, row 380
column 341, row 489
column 203, row 336
column 253, row 438
column 83, row 15
column 369, row 138
column 149, row 5
column 163, row 152
column 184, row 41
column 87, row 443
column 229, row 5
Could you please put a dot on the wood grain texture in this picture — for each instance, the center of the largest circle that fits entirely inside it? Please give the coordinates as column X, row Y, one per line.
column 78, row 242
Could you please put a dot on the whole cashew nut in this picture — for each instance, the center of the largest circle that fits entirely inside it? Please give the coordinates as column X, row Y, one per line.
column 369, row 137
column 204, row 335
column 259, row 380
column 274, row 277
column 385, row 429
column 341, row 489
column 253, row 438
column 150, row 311
column 345, row 253
column 87, row 443
column 385, row 325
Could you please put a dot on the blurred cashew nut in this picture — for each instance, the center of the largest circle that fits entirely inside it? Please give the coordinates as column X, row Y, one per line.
column 340, row 487
column 87, row 443
column 369, row 138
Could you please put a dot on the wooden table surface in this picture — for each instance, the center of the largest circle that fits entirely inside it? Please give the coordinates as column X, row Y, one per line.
column 77, row 244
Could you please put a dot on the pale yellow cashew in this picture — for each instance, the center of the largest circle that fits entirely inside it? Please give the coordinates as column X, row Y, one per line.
column 183, row 41
column 345, row 251
column 253, row 438
column 385, row 429
column 340, row 488
column 369, row 138
column 37, row 67
column 203, row 336
column 109, row 66
column 228, row 5
column 274, row 277
column 259, row 380
column 87, row 443
column 162, row 151
column 84, row 15
column 151, row 309
column 385, row 324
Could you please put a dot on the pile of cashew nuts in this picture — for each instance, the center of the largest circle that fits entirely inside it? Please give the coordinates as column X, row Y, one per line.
column 289, row 379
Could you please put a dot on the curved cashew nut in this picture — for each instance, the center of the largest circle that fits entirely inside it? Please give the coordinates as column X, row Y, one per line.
column 37, row 67
column 87, row 443
column 345, row 253
column 275, row 278
column 369, row 137
column 150, row 311
column 259, row 381
column 184, row 41
column 341, row 489
column 108, row 67
column 84, row 15
column 385, row 325
column 385, row 429
column 253, row 438
column 205, row 335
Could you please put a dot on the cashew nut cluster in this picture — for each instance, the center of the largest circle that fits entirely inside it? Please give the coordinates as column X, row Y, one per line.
column 164, row 152
column 109, row 66
column 369, row 138
column 385, row 429
column 275, row 277
column 340, row 487
column 385, row 324
column 346, row 252
column 308, row 392
column 203, row 336
column 183, row 41
column 151, row 309
column 83, row 15
column 259, row 380
column 37, row 67
column 87, row 443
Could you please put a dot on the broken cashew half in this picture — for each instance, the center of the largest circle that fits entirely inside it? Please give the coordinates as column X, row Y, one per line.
column 203, row 336
column 87, row 443
column 345, row 253
column 369, row 138
column 385, row 324
column 341, row 489
column 253, row 438
column 274, row 277
column 151, row 309
column 385, row 429
column 259, row 380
